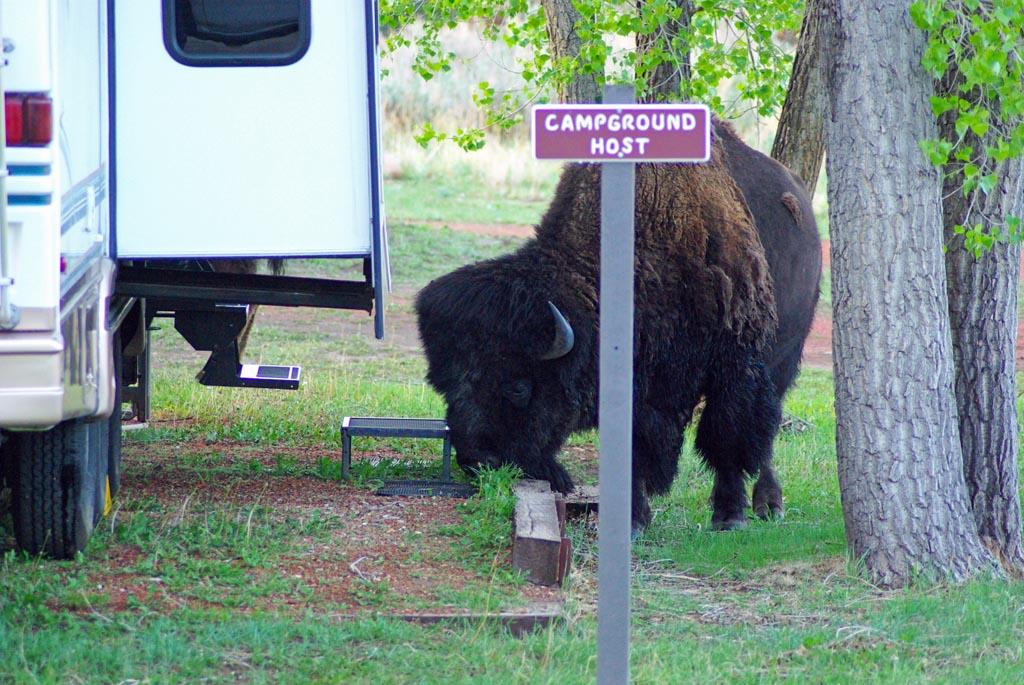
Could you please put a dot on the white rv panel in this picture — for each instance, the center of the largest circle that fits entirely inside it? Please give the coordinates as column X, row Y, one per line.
column 242, row 160
column 27, row 28
column 31, row 187
column 82, row 108
column 81, row 111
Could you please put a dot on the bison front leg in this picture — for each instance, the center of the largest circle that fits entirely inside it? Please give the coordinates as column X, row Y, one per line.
column 735, row 439
column 641, row 511
column 554, row 473
column 657, row 441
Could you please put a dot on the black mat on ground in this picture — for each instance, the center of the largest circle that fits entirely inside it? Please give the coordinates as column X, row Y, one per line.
column 425, row 488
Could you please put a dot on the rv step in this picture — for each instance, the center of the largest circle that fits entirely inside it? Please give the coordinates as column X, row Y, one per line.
column 217, row 329
column 379, row 427
column 267, row 376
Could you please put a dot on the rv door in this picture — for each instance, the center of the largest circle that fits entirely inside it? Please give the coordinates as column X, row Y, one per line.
column 245, row 129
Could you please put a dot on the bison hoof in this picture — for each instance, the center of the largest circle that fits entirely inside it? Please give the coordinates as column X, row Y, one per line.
column 767, row 511
column 558, row 478
column 735, row 522
column 768, row 503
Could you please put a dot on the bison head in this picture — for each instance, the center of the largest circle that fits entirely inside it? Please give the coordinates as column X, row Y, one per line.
column 503, row 351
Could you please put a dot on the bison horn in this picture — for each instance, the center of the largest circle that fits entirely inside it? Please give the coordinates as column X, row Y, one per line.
column 564, row 337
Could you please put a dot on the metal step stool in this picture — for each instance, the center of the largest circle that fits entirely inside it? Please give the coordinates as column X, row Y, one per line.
column 394, row 428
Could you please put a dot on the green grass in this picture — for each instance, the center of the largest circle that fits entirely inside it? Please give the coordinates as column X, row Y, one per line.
column 420, row 254
column 487, row 523
column 837, row 631
column 429, row 198
column 812, row 528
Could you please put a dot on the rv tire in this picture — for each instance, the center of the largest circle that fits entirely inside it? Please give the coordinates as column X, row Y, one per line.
column 59, row 488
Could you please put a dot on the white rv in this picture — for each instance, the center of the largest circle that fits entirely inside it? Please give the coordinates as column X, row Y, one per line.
column 155, row 149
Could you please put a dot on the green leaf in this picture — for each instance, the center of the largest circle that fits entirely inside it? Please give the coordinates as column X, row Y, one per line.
column 937, row 151
column 936, row 58
column 1013, row 228
column 942, row 104
column 975, row 119
column 987, row 183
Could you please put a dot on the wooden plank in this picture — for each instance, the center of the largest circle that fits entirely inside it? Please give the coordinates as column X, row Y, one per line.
column 537, row 540
column 532, row 617
column 582, row 500
column 564, row 560
column 561, row 511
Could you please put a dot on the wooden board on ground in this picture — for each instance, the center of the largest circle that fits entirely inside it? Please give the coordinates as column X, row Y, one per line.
column 582, row 500
column 539, row 546
column 519, row 621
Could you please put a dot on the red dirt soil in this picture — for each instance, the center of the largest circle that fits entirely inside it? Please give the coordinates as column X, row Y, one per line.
column 391, row 545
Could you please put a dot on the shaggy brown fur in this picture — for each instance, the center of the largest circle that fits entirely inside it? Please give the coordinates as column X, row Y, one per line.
column 696, row 245
column 793, row 205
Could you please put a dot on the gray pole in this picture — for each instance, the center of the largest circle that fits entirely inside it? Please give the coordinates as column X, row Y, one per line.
column 615, row 412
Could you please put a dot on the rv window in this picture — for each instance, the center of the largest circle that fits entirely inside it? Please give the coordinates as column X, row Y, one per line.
column 221, row 33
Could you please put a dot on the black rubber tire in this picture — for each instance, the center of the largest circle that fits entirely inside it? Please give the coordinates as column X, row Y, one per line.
column 6, row 461
column 99, row 445
column 114, row 423
column 59, row 487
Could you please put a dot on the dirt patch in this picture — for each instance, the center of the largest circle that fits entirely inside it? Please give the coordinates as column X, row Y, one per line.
column 818, row 346
column 581, row 462
column 185, row 535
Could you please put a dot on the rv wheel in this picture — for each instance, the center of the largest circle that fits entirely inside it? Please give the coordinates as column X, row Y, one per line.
column 59, row 487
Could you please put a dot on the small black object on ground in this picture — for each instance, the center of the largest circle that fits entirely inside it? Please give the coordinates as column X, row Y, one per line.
column 425, row 488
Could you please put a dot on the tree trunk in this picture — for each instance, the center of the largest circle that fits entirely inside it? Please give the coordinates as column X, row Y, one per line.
column 983, row 318
column 800, row 138
column 665, row 82
column 562, row 18
column 898, row 449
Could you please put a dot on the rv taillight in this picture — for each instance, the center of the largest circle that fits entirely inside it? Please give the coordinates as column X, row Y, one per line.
column 29, row 119
column 13, row 109
column 38, row 120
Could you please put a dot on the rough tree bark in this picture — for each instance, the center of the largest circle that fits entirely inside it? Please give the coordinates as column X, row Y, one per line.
column 898, row 449
column 800, row 138
column 562, row 17
column 665, row 82
column 983, row 318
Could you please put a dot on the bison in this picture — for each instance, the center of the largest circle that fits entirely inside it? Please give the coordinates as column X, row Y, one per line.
column 728, row 264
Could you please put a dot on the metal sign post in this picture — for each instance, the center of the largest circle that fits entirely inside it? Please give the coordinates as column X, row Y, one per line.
column 615, row 414
column 618, row 133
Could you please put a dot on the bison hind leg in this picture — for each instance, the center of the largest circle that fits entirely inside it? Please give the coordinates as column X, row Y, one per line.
column 768, row 495
column 735, row 438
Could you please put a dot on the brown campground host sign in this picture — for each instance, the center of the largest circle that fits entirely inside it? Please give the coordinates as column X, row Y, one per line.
column 622, row 133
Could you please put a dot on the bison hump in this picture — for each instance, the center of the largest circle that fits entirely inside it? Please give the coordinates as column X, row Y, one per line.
column 744, row 302
column 699, row 211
